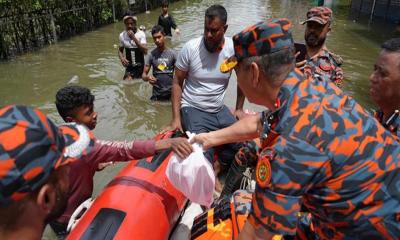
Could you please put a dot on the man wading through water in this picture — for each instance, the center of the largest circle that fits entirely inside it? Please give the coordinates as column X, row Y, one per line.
column 133, row 42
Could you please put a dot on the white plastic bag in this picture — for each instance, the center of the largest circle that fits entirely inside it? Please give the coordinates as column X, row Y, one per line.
column 193, row 176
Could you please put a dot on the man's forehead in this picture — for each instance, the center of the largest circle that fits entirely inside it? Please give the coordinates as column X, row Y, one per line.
column 130, row 21
column 214, row 20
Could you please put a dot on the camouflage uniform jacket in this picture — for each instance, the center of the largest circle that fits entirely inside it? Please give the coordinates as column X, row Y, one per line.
column 333, row 157
column 325, row 65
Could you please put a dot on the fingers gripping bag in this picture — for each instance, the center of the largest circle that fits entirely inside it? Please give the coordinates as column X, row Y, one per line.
column 193, row 176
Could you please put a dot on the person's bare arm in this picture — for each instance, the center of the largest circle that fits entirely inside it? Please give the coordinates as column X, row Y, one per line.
column 124, row 61
column 146, row 76
column 180, row 146
column 239, row 113
column 245, row 129
column 177, row 84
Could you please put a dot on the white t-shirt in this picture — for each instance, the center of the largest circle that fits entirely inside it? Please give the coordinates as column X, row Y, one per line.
column 126, row 42
column 205, row 85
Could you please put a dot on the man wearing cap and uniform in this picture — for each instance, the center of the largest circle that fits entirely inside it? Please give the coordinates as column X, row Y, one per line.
column 320, row 62
column 34, row 158
column 133, row 41
column 320, row 148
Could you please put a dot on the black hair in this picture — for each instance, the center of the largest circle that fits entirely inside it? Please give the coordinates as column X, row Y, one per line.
column 217, row 11
column 164, row 3
column 70, row 98
column 157, row 29
column 392, row 45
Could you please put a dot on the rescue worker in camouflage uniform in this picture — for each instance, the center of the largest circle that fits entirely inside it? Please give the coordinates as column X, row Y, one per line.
column 385, row 86
column 320, row 62
column 320, row 148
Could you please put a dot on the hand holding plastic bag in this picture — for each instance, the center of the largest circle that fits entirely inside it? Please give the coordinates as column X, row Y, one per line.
column 193, row 176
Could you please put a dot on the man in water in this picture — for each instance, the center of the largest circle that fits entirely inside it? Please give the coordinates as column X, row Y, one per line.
column 198, row 87
column 35, row 159
column 320, row 149
column 162, row 60
column 385, row 86
column 166, row 20
column 75, row 104
column 319, row 60
column 133, row 42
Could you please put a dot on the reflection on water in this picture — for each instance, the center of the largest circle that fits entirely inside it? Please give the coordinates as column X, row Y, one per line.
column 124, row 109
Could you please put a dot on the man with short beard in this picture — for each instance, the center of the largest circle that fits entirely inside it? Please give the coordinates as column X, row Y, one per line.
column 199, row 87
column 34, row 167
column 320, row 62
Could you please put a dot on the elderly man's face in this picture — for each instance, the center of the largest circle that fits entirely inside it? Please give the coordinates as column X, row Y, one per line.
column 385, row 80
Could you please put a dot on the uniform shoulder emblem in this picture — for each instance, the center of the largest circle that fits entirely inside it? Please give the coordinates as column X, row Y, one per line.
column 263, row 170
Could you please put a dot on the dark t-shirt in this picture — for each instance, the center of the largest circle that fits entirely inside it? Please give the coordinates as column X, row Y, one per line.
column 163, row 70
column 167, row 23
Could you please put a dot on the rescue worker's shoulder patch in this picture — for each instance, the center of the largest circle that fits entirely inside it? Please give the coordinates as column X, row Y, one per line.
column 263, row 170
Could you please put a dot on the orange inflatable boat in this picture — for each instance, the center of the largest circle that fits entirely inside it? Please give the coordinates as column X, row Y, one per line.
column 139, row 203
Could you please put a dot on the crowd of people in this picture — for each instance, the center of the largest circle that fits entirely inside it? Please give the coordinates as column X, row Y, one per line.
column 321, row 154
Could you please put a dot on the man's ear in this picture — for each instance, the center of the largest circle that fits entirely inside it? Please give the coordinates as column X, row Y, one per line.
column 255, row 74
column 225, row 28
column 46, row 198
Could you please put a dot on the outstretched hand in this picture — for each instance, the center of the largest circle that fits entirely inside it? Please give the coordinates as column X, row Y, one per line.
column 181, row 147
column 202, row 139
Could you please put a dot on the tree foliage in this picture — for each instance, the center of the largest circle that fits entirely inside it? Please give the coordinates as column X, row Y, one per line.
column 29, row 24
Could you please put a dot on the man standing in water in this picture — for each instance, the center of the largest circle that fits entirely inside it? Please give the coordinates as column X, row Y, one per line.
column 133, row 42
column 162, row 60
column 198, row 87
column 385, row 86
column 319, row 60
column 166, row 20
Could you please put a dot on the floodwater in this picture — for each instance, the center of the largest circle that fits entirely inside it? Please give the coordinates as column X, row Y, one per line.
column 125, row 111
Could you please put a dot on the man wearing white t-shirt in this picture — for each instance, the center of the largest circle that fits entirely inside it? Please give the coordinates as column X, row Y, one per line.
column 199, row 87
column 133, row 41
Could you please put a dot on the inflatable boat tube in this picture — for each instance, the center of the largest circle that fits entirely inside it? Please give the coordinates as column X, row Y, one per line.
column 139, row 203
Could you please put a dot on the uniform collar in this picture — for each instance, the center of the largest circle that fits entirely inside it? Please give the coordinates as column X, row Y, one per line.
column 270, row 119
